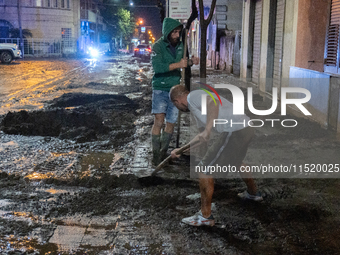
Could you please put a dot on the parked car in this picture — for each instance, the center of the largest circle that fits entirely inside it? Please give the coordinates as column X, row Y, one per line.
column 142, row 51
column 8, row 52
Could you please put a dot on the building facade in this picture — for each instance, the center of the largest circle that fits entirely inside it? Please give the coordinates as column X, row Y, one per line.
column 57, row 27
column 91, row 24
column 223, row 35
column 295, row 44
column 44, row 18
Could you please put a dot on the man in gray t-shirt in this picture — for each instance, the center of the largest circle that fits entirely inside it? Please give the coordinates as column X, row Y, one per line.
column 229, row 149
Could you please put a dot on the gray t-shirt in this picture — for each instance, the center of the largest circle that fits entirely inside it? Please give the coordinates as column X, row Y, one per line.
column 225, row 113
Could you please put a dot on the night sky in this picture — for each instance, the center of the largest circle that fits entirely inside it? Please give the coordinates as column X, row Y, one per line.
column 150, row 15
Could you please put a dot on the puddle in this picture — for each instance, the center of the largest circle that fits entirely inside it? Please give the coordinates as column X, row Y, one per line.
column 3, row 203
column 39, row 176
column 92, row 162
column 54, row 191
column 135, row 95
column 194, row 196
column 21, row 245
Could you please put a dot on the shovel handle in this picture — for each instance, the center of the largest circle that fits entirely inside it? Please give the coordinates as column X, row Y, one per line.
column 179, row 152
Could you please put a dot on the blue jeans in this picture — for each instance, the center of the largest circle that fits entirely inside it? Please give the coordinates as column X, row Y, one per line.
column 161, row 103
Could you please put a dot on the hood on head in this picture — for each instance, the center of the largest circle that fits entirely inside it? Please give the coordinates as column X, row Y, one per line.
column 169, row 24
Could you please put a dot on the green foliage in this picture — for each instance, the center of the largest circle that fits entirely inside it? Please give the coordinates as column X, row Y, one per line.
column 120, row 23
column 126, row 24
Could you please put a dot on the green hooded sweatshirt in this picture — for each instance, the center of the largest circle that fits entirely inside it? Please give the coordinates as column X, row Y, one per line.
column 162, row 57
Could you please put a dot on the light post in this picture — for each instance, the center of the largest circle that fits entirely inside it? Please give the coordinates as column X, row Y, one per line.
column 139, row 24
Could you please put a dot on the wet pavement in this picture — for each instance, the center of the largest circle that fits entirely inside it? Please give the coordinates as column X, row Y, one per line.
column 75, row 149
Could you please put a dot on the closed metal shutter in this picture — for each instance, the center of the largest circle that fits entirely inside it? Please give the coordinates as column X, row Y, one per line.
column 280, row 14
column 333, row 38
column 257, row 41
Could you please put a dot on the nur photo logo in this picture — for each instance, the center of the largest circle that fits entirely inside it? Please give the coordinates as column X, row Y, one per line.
column 239, row 102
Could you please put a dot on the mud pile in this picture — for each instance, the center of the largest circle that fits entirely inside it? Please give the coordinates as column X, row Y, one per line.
column 77, row 116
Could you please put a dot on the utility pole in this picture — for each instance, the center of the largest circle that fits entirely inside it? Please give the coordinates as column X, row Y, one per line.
column 20, row 29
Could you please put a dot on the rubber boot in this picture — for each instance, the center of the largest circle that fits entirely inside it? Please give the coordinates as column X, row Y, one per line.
column 156, row 146
column 165, row 141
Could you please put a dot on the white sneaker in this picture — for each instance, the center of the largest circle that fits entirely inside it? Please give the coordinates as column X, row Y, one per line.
column 198, row 220
column 246, row 195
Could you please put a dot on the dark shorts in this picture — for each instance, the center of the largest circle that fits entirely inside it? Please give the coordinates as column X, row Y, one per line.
column 228, row 148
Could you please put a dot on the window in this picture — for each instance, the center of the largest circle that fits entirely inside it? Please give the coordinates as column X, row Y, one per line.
column 332, row 43
column 66, row 35
column 4, row 31
column 68, row 4
column 56, row 3
column 48, row 3
column 2, row 2
column 38, row 3
column 62, row 5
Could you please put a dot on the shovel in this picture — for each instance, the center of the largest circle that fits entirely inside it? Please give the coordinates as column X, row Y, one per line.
column 179, row 152
column 156, row 180
column 153, row 179
column 161, row 165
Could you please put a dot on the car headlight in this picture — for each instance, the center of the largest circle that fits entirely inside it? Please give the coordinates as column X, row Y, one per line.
column 94, row 52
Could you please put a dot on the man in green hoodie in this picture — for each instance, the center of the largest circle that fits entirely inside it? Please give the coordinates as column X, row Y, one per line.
column 167, row 60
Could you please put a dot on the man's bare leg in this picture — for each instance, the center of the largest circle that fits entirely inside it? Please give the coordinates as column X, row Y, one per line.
column 249, row 181
column 156, row 138
column 158, row 123
column 207, row 190
column 169, row 127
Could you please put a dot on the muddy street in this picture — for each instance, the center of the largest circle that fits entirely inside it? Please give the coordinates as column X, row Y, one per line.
column 75, row 158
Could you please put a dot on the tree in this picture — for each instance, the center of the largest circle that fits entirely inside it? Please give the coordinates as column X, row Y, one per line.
column 204, row 25
column 126, row 25
column 119, row 21
column 193, row 16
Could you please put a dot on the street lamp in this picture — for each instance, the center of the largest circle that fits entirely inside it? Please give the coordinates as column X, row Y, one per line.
column 131, row 4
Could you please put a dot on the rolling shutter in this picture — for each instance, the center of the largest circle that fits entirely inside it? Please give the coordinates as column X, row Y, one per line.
column 332, row 45
column 333, row 35
column 257, row 41
column 280, row 13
